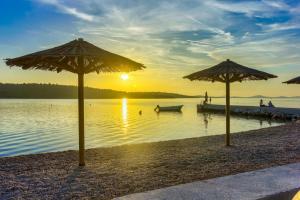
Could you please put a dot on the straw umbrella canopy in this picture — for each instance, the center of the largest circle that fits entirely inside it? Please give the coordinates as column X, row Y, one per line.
column 227, row 72
column 293, row 81
column 79, row 57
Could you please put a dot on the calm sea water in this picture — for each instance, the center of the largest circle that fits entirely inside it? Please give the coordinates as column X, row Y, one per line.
column 35, row 126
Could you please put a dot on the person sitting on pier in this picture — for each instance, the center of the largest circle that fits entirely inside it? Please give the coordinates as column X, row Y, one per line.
column 271, row 104
column 261, row 103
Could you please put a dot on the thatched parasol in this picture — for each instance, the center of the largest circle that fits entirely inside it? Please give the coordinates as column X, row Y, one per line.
column 80, row 57
column 293, row 81
column 227, row 72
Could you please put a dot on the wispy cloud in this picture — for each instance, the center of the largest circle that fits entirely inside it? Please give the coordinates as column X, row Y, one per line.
column 211, row 22
column 67, row 9
column 250, row 8
column 161, row 32
column 280, row 26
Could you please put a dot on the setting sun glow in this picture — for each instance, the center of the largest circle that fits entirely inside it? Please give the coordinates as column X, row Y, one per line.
column 124, row 77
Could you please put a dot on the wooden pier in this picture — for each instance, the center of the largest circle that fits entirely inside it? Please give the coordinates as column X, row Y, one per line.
column 268, row 112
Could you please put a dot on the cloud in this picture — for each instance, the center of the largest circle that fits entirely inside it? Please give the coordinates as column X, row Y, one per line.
column 281, row 26
column 168, row 35
column 250, row 8
column 68, row 10
column 277, row 4
column 272, row 52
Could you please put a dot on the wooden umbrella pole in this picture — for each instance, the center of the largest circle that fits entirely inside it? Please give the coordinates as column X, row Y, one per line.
column 81, row 117
column 227, row 110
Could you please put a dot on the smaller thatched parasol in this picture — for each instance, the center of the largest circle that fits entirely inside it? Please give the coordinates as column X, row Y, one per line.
column 226, row 72
column 293, row 81
column 79, row 57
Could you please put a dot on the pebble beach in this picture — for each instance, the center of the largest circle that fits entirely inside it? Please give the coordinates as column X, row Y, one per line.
column 121, row 170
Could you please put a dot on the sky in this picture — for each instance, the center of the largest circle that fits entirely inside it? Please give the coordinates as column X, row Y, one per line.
column 172, row 38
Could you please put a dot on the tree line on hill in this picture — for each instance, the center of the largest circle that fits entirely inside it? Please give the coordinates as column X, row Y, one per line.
column 54, row 91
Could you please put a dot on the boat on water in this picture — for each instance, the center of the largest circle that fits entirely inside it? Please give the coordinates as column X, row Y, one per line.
column 168, row 108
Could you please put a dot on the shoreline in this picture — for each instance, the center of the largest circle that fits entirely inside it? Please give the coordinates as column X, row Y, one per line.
column 120, row 170
column 104, row 148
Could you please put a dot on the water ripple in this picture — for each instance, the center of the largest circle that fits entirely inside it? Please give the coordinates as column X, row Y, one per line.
column 36, row 126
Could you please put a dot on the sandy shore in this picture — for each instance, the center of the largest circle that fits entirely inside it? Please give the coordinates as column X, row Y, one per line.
column 116, row 171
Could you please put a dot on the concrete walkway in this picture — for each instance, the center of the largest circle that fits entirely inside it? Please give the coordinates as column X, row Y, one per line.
column 283, row 181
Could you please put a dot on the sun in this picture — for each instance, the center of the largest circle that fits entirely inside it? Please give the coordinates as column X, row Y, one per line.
column 124, row 77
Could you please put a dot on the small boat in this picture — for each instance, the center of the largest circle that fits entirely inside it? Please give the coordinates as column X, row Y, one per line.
column 168, row 108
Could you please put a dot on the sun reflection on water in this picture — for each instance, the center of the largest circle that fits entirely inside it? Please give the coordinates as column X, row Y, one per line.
column 124, row 115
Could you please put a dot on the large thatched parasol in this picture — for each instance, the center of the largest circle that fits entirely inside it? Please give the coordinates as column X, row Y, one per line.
column 80, row 57
column 227, row 72
column 293, row 81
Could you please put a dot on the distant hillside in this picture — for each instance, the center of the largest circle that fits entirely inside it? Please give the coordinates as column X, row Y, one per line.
column 53, row 91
